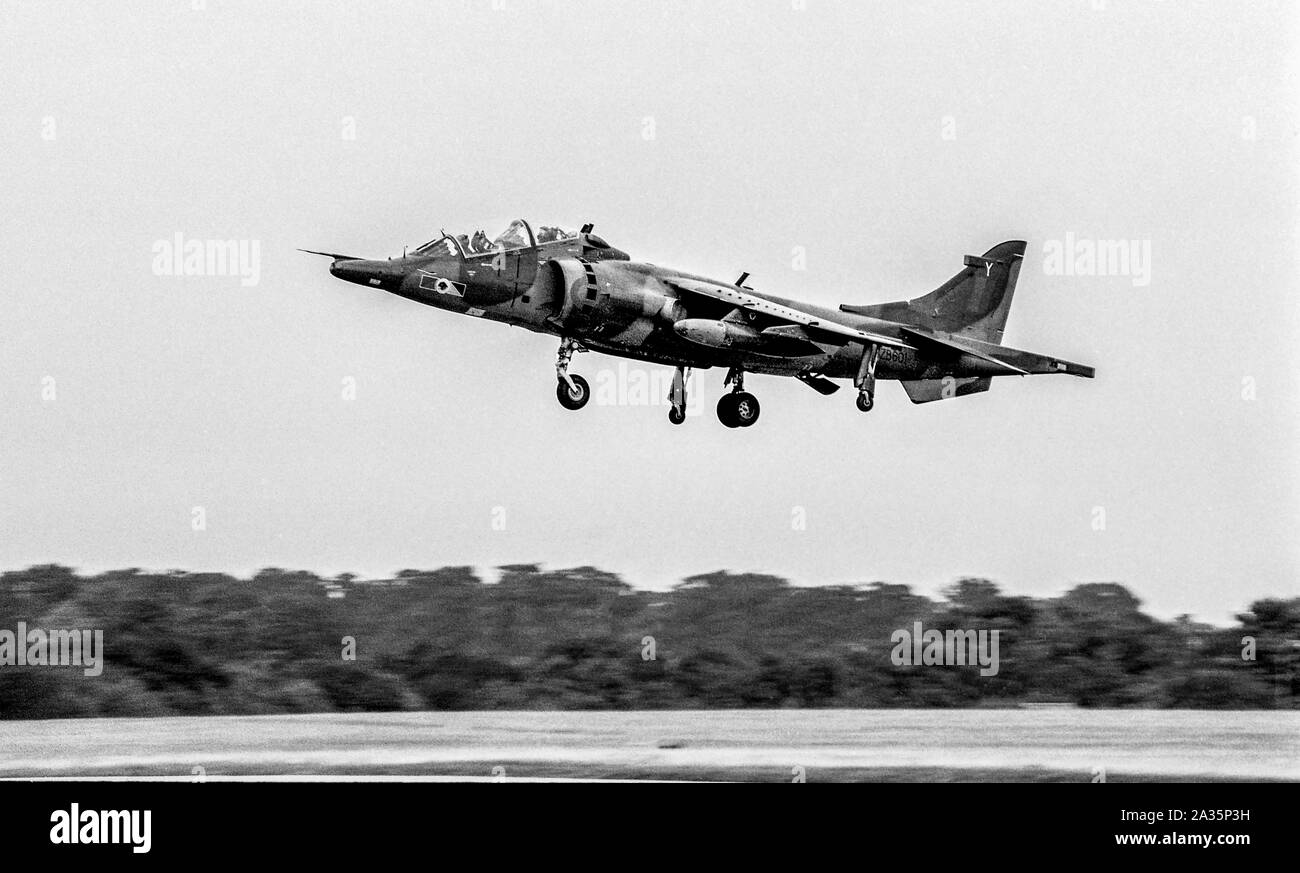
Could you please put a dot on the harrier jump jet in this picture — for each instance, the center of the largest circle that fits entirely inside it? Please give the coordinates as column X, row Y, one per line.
column 592, row 296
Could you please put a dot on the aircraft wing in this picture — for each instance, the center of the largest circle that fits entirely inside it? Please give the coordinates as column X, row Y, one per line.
column 958, row 346
column 816, row 328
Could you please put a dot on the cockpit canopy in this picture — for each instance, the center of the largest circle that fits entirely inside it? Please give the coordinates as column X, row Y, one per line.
column 520, row 234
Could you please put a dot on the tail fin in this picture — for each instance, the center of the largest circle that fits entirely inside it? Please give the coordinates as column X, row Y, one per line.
column 973, row 303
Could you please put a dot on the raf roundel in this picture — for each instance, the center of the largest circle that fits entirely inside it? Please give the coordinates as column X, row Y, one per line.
column 432, row 282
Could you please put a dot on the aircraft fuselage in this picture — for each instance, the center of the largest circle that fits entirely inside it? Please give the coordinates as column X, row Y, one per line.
column 595, row 297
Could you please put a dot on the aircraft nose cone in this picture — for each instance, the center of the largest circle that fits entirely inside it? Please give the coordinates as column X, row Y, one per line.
column 371, row 273
column 341, row 270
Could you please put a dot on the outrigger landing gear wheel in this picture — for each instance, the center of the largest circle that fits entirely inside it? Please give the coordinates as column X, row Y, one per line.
column 866, row 378
column 677, row 396
column 574, row 397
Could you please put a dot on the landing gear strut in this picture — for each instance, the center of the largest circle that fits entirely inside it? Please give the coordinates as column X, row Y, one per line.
column 865, row 381
column 739, row 408
column 573, row 392
column 677, row 397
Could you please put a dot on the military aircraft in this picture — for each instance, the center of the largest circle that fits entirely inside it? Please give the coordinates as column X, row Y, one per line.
column 593, row 296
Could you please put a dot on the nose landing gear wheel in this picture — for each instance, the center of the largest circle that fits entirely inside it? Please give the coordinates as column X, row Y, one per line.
column 865, row 401
column 676, row 416
column 575, row 397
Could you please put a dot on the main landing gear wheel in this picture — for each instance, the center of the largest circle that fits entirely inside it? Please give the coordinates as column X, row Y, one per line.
column 726, row 411
column 747, row 408
column 866, row 401
column 738, row 409
column 574, row 397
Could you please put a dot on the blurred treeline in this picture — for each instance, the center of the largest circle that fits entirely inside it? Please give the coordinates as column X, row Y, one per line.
column 205, row 643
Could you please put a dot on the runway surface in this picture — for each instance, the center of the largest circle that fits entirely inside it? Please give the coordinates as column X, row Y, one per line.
column 774, row 745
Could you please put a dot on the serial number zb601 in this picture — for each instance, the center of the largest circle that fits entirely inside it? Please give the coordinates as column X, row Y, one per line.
column 901, row 357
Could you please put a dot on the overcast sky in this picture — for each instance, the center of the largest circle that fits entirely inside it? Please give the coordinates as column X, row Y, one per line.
column 839, row 152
